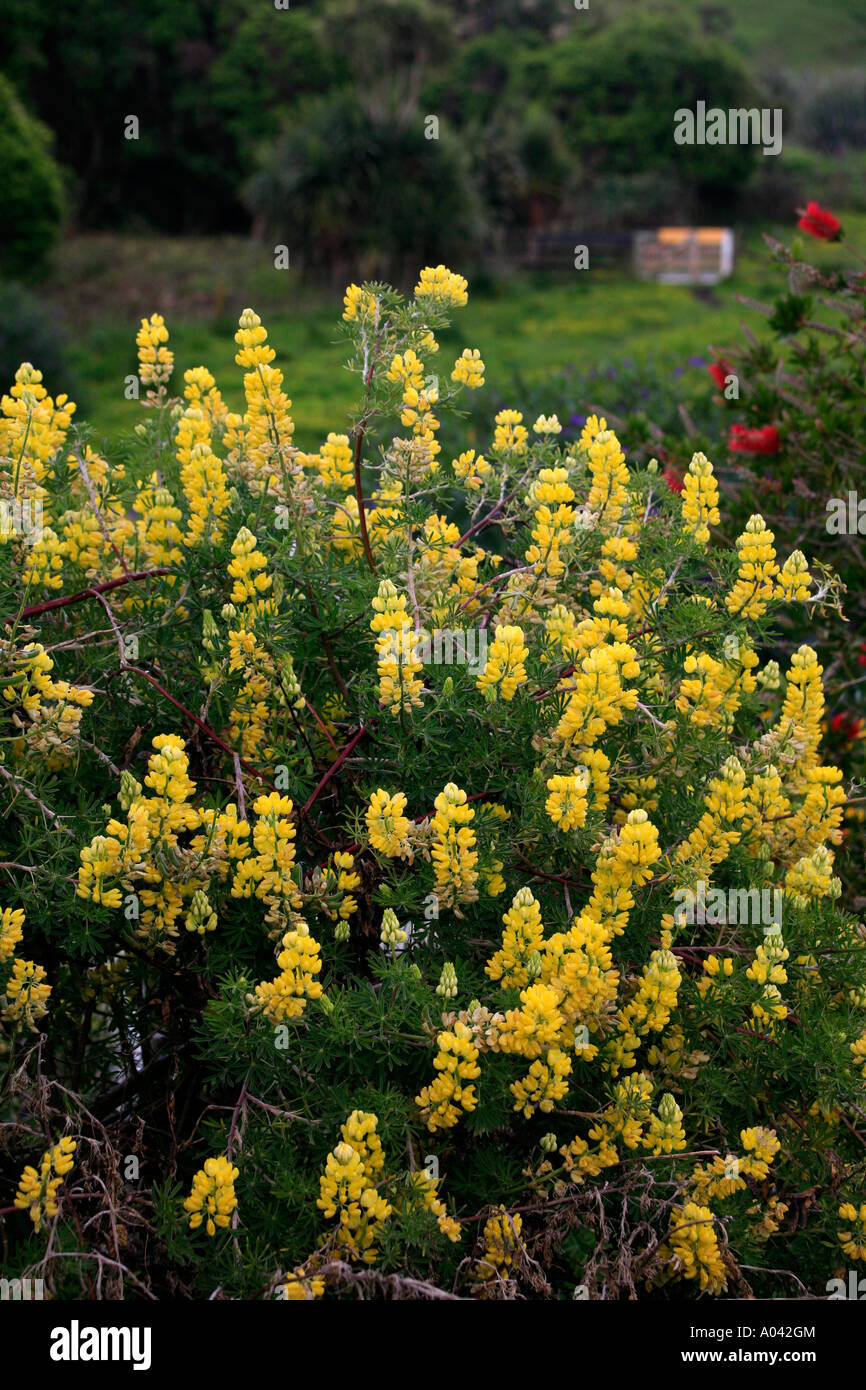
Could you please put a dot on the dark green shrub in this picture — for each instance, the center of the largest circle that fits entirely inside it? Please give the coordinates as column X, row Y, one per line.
column 616, row 93
column 326, row 190
column 33, row 198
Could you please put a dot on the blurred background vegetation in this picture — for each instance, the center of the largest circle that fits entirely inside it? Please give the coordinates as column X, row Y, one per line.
column 308, row 127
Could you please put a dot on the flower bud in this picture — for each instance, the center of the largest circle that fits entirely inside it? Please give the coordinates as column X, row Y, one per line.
column 447, row 986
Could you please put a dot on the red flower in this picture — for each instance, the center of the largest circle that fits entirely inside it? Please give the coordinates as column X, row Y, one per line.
column 861, row 660
column 673, row 479
column 847, row 725
column 762, row 440
column 818, row 222
column 719, row 371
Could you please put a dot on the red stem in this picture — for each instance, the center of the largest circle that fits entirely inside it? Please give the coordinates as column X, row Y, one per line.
column 486, row 520
column 205, row 728
column 94, row 592
column 335, row 767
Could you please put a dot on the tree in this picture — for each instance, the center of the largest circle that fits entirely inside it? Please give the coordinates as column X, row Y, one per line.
column 616, row 93
column 33, row 196
column 328, row 187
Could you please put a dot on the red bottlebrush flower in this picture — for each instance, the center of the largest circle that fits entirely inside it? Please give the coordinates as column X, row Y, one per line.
column 819, row 223
column 673, row 479
column 764, row 439
column 861, row 660
column 719, row 371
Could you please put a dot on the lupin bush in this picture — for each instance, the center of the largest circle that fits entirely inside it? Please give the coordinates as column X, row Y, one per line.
column 416, row 877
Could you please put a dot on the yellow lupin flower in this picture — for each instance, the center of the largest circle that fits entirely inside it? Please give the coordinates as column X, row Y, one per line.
column 155, row 361
column 754, row 588
column 471, row 470
column 11, row 923
column 212, row 1199
column 442, row 1102
column 700, row 499
column 247, row 569
column 453, row 853
column 608, row 495
column 25, row 997
column 359, row 305
column 502, row 1247
column 440, row 283
column 566, row 804
column 37, row 1191
column 397, row 650
column 853, row 1242
column 547, row 424
column 387, row 826
column 523, row 934
column 286, row 996
column 469, row 369
column 545, row 1084
column 794, row 580
column 510, row 435
column 694, row 1248
column 504, row 670
column 666, row 1134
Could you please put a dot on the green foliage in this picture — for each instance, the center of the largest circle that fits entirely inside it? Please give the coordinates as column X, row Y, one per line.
column 159, row 1044
column 33, row 195
column 214, row 83
column 325, row 188
column 616, row 91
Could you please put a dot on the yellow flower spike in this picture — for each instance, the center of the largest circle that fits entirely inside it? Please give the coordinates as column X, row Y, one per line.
column 25, row 997
column 523, row 934
column 155, row 361
column 510, row 435
column 700, row 499
column 608, row 495
column 694, row 1248
column 348, row 1188
column 454, row 855
column 397, row 650
column 469, row 369
column 37, row 1191
column 442, row 1102
column 212, row 1199
column 504, row 670
column 794, row 581
column 442, row 285
column 754, row 588
column 387, row 826
column 11, row 924
column 502, row 1247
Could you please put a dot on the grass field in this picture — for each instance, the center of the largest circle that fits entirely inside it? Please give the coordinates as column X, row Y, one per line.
column 526, row 326
column 798, row 33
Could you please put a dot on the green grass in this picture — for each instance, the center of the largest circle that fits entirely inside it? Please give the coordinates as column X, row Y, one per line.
column 526, row 326
column 798, row 33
